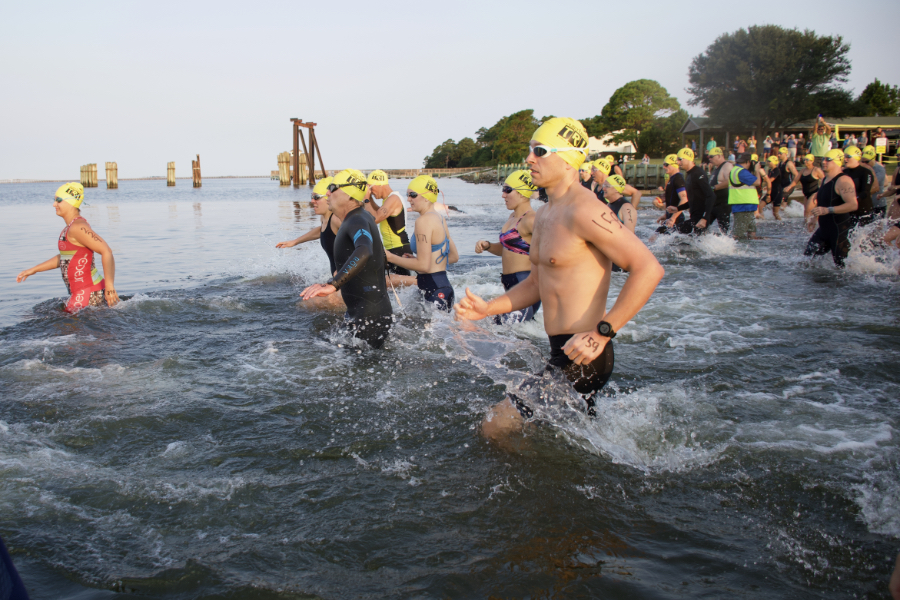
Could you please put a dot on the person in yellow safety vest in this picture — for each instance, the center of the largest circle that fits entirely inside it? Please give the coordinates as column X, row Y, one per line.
column 743, row 197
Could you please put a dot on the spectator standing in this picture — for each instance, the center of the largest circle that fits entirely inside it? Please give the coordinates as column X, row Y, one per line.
column 864, row 139
column 741, row 147
column 645, row 160
column 767, row 147
column 818, row 140
column 751, row 144
column 737, row 140
column 709, row 146
column 792, row 148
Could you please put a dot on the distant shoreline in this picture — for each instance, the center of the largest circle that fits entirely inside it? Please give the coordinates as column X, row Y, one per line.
column 154, row 178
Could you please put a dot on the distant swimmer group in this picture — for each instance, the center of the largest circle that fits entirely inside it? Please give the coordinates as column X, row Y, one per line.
column 77, row 245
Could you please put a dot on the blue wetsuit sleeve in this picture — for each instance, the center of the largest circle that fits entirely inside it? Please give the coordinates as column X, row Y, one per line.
column 746, row 177
column 362, row 252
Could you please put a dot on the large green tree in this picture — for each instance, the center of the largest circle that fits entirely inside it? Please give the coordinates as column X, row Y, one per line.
column 632, row 112
column 879, row 100
column 768, row 77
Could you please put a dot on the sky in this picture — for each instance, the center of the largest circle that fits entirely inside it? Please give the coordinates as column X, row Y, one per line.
column 145, row 83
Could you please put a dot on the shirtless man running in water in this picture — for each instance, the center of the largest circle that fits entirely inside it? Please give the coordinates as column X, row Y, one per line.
column 576, row 239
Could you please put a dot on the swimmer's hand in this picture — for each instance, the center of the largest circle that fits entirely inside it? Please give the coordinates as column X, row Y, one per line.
column 671, row 209
column 471, row 308
column 701, row 224
column 288, row 244
column 670, row 223
column 482, row 246
column 112, row 298
column 24, row 275
column 583, row 348
column 317, row 289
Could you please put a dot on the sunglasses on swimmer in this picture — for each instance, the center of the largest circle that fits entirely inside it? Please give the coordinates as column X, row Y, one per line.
column 540, row 151
column 317, row 196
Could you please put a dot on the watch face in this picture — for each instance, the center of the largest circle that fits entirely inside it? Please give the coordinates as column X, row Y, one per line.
column 605, row 328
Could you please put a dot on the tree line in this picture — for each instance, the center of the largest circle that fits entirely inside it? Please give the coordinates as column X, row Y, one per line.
column 762, row 78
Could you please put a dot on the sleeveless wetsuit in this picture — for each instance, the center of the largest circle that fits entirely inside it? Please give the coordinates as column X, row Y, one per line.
column 395, row 238
column 863, row 179
column 721, row 211
column 326, row 238
column 360, row 277
column 810, row 185
column 833, row 233
column 512, row 241
column 435, row 286
column 674, row 185
column 81, row 277
column 786, row 176
column 587, row 379
column 586, row 184
column 775, row 190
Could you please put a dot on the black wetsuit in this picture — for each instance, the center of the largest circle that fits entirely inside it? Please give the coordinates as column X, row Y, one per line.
column 809, row 184
column 587, row 379
column 863, row 179
column 359, row 251
column 326, row 238
column 599, row 193
column 587, row 183
column 786, row 178
column 675, row 183
column 776, row 190
column 833, row 233
column 721, row 209
column 701, row 200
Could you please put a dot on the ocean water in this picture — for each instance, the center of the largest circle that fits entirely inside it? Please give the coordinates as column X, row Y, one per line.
column 212, row 438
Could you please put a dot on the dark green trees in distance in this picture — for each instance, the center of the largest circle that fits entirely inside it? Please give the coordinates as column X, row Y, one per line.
column 642, row 113
column 878, row 100
column 506, row 142
column 768, row 77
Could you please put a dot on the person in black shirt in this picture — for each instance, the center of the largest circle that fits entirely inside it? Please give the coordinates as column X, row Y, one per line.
column 776, row 190
column 675, row 196
column 863, row 178
column 701, row 197
column 832, row 204
column 359, row 251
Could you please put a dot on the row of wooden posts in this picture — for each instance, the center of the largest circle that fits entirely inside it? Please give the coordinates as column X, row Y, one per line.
column 285, row 169
column 89, row 174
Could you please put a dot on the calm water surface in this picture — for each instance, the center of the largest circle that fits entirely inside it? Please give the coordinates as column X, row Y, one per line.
column 211, row 438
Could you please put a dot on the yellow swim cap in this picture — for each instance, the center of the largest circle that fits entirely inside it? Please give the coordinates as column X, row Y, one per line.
column 783, row 150
column 670, row 159
column 353, row 182
column 716, row 152
column 610, row 159
column 869, row 152
column 377, row 177
column 602, row 165
column 810, row 157
column 686, row 153
column 617, row 182
column 521, row 182
column 836, row 155
column 562, row 133
column 852, row 152
column 586, row 167
column 73, row 193
column 773, row 160
column 425, row 186
column 322, row 186
column 754, row 157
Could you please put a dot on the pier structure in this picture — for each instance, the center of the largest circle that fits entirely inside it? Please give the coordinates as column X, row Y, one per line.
column 308, row 153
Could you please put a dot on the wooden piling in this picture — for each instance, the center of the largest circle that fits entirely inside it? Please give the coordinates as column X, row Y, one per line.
column 93, row 175
column 112, row 176
column 284, row 168
column 195, row 164
column 170, row 174
column 89, row 175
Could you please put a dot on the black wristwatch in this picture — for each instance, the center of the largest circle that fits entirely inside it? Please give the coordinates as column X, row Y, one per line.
column 605, row 329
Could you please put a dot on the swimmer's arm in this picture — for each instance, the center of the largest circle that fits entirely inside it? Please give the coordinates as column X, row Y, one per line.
column 847, row 191
column 392, row 206
column 313, row 234
column 362, row 252
column 474, row 308
column 629, row 217
column 453, row 257
column 371, row 206
column 795, row 177
column 47, row 265
column 494, row 248
column 683, row 204
column 892, row 236
column 84, row 235
column 422, row 259
column 644, row 273
column 634, row 193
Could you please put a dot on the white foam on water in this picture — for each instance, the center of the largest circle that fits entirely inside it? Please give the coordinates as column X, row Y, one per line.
column 878, row 497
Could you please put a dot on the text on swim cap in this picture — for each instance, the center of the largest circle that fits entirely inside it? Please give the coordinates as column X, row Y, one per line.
column 572, row 136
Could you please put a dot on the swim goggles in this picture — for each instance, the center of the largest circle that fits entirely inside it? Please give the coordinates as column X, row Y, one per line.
column 510, row 190
column 333, row 187
column 411, row 195
column 540, row 151
column 318, row 196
